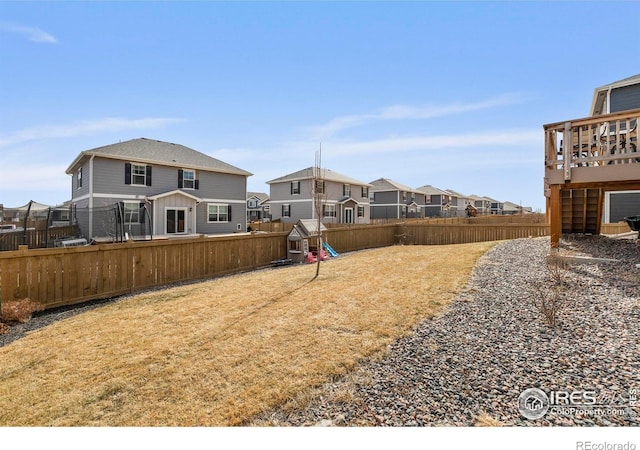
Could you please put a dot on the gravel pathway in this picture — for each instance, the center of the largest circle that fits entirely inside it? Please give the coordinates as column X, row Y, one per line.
column 469, row 366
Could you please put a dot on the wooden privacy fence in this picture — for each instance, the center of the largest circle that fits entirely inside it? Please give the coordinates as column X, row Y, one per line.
column 64, row 276
column 35, row 238
column 441, row 234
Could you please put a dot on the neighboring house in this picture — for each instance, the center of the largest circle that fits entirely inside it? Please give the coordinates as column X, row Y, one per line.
column 615, row 97
column 482, row 204
column 257, row 206
column 343, row 199
column 392, row 200
column 157, row 188
column 438, row 203
column 496, row 207
column 462, row 201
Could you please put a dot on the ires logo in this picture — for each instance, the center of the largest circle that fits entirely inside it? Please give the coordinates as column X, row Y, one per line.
column 534, row 403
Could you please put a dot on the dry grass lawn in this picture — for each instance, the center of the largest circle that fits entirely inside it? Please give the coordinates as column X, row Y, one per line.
column 218, row 352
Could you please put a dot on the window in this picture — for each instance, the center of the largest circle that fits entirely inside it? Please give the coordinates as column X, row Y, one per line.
column 286, row 210
column 329, row 210
column 79, row 178
column 253, row 203
column 131, row 212
column 360, row 211
column 188, row 179
column 319, row 185
column 365, row 192
column 295, row 187
column 218, row 213
column 138, row 174
column 346, row 190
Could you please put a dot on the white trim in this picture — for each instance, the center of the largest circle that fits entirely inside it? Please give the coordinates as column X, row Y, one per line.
column 306, row 200
column 186, row 223
column 223, row 200
column 82, row 197
column 121, row 196
column 174, row 192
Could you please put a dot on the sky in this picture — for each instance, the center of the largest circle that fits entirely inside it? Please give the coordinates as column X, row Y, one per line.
column 449, row 94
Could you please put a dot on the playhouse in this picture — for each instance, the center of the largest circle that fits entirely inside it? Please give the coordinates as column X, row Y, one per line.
column 302, row 242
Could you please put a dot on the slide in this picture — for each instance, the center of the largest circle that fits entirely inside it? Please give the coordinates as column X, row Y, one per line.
column 329, row 250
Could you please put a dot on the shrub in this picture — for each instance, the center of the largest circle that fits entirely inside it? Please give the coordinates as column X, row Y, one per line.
column 19, row 311
column 551, row 297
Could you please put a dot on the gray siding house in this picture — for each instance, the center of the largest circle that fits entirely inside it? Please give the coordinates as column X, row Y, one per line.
column 439, row 203
column 392, row 200
column 615, row 97
column 257, row 206
column 157, row 188
column 343, row 199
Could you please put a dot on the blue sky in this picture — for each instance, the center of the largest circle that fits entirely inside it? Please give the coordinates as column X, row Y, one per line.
column 452, row 94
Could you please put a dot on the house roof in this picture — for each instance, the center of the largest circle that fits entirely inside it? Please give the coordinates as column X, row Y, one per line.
column 385, row 184
column 430, row 190
column 175, row 192
column 308, row 227
column 600, row 93
column 261, row 196
column 158, row 152
column 456, row 194
column 325, row 174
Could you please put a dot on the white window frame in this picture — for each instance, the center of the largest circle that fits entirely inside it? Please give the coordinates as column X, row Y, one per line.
column 79, row 178
column 186, row 180
column 288, row 210
column 360, row 211
column 295, row 188
column 217, row 214
column 330, row 210
column 131, row 210
column 346, row 190
column 365, row 192
column 137, row 174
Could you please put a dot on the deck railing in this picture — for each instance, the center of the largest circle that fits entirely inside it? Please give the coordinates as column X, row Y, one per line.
column 594, row 142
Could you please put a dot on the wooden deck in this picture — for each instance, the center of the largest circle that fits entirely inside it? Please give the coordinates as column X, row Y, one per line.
column 584, row 158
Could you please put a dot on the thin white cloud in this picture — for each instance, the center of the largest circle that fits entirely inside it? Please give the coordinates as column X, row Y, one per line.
column 431, row 143
column 83, row 128
column 407, row 112
column 32, row 33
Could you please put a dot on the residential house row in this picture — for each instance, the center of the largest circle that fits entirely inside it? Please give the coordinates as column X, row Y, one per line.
column 146, row 187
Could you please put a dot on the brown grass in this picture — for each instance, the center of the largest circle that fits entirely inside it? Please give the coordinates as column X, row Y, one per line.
column 217, row 353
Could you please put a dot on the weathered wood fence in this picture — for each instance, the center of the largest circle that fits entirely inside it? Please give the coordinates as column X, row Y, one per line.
column 63, row 276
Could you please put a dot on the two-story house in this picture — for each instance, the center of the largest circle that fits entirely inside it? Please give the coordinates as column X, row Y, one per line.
column 392, row 200
column 146, row 186
column 342, row 199
column 257, row 206
column 462, row 201
column 615, row 97
column 482, row 204
column 439, row 203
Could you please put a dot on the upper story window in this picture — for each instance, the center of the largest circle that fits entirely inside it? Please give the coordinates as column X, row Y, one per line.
column 346, row 190
column 79, row 178
column 319, row 186
column 137, row 174
column 365, row 192
column 295, row 187
column 253, row 203
column 187, row 179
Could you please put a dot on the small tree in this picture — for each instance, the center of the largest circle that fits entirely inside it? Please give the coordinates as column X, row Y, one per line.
column 319, row 200
column 550, row 298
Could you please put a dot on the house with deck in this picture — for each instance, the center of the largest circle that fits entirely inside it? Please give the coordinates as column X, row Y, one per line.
column 145, row 187
column 392, row 200
column 308, row 192
column 590, row 159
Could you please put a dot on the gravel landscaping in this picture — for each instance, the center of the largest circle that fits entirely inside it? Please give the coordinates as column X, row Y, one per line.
column 469, row 366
